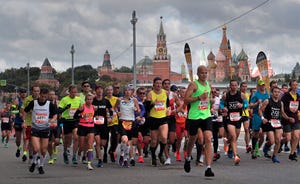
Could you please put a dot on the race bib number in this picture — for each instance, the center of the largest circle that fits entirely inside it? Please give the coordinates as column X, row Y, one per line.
column 99, row 120
column 203, row 105
column 72, row 112
column 159, row 106
column 5, row 120
column 234, row 116
column 294, row 106
column 41, row 118
column 275, row 123
column 220, row 119
column 127, row 125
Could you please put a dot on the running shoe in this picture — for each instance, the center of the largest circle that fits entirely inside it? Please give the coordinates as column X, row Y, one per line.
column 55, row 153
column 230, row 154
column 41, row 170
column 216, row 156
column 226, row 147
column 100, row 163
column 89, row 167
column 32, row 167
column 293, row 157
column 275, row 159
column 178, row 157
column 5, row 145
column 18, row 153
column 265, row 149
column 286, row 148
column 253, row 155
column 121, row 160
column 187, row 166
column 132, row 162
column 184, row 154
column 24, row 158
column 209, row 173
column 237, row 160
column 74, row 160
column 154, row 162
column 125, row 164
column 257, row 152
column 83, row 160
column 146, row 153
column 168, row 161
column 248, row 149
column 66, row 158
column 105, row 158
column 51, row 161
column 161, row 159
column 141, row 159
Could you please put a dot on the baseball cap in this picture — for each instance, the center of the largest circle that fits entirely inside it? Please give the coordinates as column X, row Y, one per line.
column 174, row 88
column 128, row 86
column 22, row 90
column 260, row 82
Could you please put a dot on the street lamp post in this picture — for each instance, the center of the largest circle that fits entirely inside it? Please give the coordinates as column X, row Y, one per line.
column 28, row 80
column 133, row 22
column 72, row 53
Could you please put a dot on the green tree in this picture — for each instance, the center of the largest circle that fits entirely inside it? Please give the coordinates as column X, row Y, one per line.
column 287, row 77
column 124, row 69
column 294, row 75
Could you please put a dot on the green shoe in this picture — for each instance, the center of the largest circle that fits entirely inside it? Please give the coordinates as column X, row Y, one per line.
column 257, row 152
column 5, row 145
column 51, row 161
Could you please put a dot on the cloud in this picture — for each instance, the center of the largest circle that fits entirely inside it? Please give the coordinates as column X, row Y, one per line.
column 36, row 29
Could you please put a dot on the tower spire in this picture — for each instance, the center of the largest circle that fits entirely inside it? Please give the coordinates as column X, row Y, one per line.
column 161, row 29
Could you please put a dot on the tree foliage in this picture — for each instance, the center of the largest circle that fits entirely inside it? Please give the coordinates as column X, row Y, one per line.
column 18, row 77
column 123, row 69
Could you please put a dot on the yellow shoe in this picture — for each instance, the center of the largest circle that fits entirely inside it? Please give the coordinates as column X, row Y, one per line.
column 51, row 161
column 55, row 151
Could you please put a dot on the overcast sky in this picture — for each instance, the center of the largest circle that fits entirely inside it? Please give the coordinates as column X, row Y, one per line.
column 35, row 29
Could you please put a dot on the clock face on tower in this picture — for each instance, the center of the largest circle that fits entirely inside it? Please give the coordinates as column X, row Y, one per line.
column 160, row 50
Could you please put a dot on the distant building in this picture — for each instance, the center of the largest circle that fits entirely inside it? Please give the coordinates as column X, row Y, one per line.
column 296, row 70
column 225, row 66
column 47, row 76
column 147, row 68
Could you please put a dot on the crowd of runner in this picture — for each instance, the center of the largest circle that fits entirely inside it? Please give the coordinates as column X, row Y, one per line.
column 103, row 121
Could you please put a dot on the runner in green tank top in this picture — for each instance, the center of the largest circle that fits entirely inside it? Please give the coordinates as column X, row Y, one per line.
column 199, row 118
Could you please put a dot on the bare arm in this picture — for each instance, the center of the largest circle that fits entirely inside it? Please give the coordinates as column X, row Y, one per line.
column 285, row 116
column 188, row 94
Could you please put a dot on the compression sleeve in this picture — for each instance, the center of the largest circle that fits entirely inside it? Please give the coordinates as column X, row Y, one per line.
column 222, row 104
column 245, row 104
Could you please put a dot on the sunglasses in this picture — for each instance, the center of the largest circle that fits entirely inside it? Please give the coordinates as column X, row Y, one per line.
column 142, row 93
column 86, row 86
column 117, row 87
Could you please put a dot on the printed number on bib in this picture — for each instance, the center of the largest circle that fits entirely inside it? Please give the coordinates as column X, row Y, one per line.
column 275, row 123
column 234, row 116
column 203, row 105
column 41, row 118
column 127, row 125
column 72, row 112
column 5, row 120
column 99, row 120
column 159, row 106
column 294, row 106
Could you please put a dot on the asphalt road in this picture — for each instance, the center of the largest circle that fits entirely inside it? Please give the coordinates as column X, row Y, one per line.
column 261, row 170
